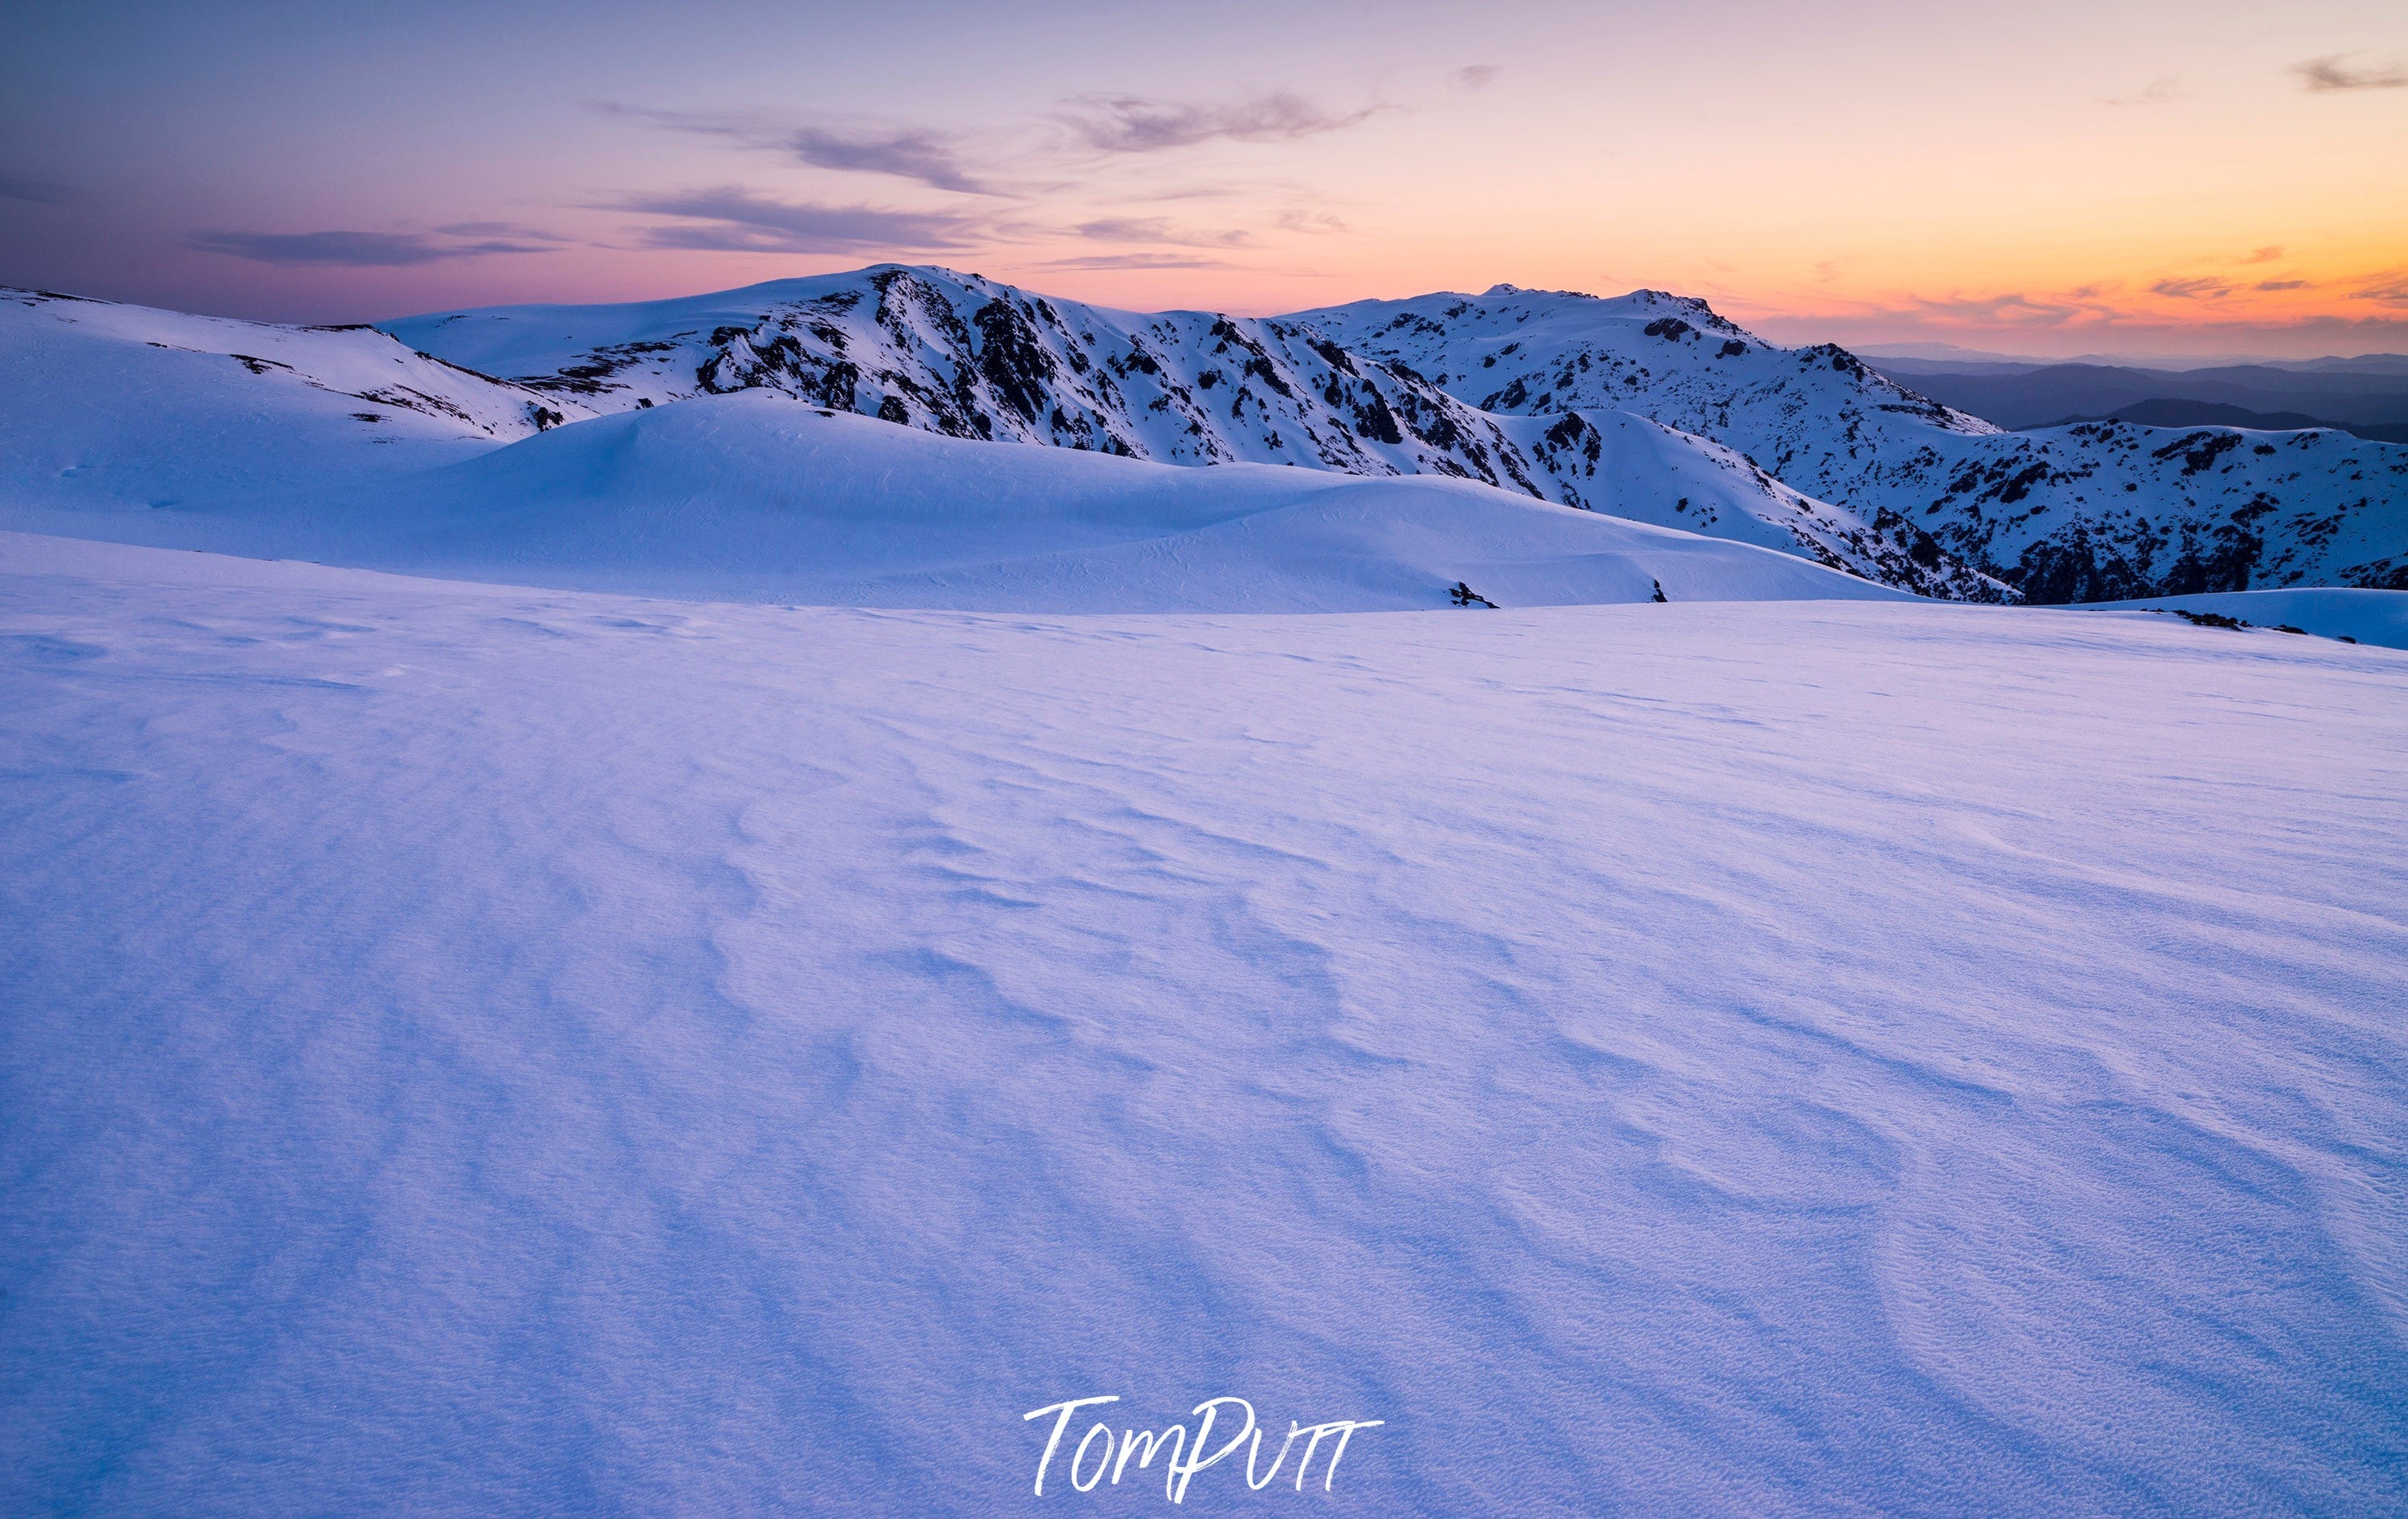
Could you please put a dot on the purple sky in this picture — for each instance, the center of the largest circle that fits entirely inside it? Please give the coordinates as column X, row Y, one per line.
column 2123, row 176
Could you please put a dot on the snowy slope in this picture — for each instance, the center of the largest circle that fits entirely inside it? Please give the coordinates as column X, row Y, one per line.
column 2370, row 617
column 967, row 357
column 109, row 405
column 2090, row 512
column 477, row 1051
column 752, row 497
column 1649, row 472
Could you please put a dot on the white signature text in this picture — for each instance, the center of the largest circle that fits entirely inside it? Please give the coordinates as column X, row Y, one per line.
column 1103, row 1450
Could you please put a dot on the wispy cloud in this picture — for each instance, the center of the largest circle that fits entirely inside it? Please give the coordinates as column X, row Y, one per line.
column 2264, row 255
column 912, row 154
column 503, row 230
column 744, row 128
column 1138, row 261
column 1138, row 124
column 2165, row 89
column 731, row 219
column 2013, row 309
column 1037, row 162
column 1477, row 76
column 40, row 191
column 1154, row 229
column 1048, row 166
column 2202, row 287
column 2112, row 314
column 1316, row 223
column 2334, row 72
column 353, row 249
column 923, row 155
column 1217, row 190
column 2389, row 288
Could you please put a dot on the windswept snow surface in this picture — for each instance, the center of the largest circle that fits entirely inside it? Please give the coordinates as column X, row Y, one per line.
column 754, row 497
column 473, row 1049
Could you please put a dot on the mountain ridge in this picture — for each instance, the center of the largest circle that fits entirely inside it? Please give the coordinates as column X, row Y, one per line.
column 1649, row 406
column 2091, row 512
column 969, row 357
column 1815, row 448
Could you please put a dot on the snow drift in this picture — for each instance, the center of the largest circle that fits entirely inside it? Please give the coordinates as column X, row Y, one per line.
column 754, row 497
column 2370, row 617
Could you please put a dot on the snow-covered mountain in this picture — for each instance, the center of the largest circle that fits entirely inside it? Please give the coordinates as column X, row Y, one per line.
column 2088, row 512
column 1649, row 408
column 109, row 405
column 971, row 358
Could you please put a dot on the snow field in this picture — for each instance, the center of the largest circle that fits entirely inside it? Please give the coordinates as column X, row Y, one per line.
column 476, row 1048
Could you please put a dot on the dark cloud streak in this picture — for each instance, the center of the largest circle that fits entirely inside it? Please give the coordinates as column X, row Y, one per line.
column 502, row 230
column 2388, row 288
column 2195, row 288
column 39, row 191
column 351, row 250
column 2165, row 89
column 922, row 154
column 1153, row 229
column 1136, row 261
column 1135, row 124
column 925, row 156
column 735, row 220
column 2320, row 76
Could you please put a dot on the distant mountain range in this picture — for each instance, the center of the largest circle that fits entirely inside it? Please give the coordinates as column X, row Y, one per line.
column 2174, row 412
column 2367, row 395
column 1906, row 357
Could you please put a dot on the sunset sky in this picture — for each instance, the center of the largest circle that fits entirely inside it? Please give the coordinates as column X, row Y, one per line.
column 2133, row 177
